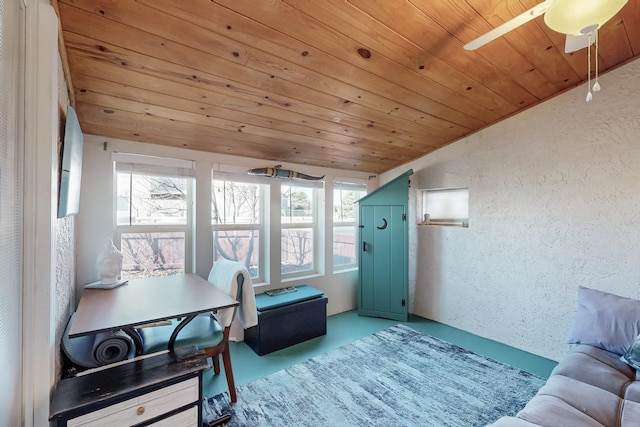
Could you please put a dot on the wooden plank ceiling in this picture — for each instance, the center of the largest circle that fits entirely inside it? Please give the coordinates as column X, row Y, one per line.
column 363, row 85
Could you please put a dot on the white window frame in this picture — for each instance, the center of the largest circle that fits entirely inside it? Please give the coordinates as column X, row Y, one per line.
column 444, row 207
column 346, row 184
column 158, row 166
column 316, row 187
column 261, row 227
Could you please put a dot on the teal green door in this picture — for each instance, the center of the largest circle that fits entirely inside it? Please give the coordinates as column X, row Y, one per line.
column 383, row 264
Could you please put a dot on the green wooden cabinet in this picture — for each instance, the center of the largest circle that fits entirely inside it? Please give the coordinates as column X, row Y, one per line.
column 383, row 241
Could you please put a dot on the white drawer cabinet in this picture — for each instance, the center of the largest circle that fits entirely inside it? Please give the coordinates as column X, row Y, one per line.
column 188, row 417
column 163, row 390
column 142, row 408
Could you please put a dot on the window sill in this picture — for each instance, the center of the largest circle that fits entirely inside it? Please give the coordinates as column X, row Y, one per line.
column 299, row 278
column 446, row 224
column 345, row 270
column 258, row 285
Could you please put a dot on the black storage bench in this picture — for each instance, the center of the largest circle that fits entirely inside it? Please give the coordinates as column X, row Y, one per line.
column 286, row 319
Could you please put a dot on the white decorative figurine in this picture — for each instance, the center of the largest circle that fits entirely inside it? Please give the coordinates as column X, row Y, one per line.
column 109, row 265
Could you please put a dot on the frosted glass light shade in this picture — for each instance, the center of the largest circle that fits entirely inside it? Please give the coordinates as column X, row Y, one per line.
column 572, row 16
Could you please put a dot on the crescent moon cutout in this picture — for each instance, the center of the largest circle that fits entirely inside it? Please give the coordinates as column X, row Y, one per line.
column 383, row 225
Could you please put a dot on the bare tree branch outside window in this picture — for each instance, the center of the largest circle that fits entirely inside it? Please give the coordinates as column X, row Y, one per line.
column 298, row 219
column 235, row 217
column 157, row 204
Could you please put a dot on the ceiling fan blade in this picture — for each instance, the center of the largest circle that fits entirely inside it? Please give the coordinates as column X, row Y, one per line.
column 503, row 29
column 574, row 43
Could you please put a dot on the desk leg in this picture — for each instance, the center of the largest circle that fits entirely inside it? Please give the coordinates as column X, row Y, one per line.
column 176, row 331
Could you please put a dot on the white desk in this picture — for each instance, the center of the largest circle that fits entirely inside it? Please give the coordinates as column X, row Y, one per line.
column 148, row 300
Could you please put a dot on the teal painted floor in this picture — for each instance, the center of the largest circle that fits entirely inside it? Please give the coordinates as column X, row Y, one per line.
column 347, row 327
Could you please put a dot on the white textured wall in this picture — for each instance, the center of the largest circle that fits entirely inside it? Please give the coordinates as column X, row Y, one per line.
column 65, row 251
column 554, row 204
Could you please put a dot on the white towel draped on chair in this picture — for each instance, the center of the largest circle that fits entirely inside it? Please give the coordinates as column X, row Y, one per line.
column 224, row 275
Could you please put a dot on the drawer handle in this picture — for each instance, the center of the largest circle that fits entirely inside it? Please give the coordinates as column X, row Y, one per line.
column 140, row 410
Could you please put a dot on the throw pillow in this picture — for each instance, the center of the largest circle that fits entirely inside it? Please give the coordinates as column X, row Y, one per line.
column 605, row 320
column 632, row 356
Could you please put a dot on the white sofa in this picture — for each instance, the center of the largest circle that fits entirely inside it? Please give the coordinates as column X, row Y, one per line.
column 597, row 384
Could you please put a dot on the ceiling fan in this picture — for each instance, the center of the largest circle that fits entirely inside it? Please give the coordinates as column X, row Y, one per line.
column 578, row 19
column 575, row 18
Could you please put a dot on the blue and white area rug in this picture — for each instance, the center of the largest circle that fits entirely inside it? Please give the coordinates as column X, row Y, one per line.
column 396, row 377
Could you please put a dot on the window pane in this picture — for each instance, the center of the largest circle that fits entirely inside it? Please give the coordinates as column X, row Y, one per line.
column 344, row 204
column 445, row 206
column 235, row 203
column 297, row 250
column 238, row 245
column 151, row 199
column 296, row 205
column 152, row 254
column 345, row 218
column 344, row 245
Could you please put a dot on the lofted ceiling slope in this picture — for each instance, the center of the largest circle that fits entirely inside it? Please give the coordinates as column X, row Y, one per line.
column 362, row 85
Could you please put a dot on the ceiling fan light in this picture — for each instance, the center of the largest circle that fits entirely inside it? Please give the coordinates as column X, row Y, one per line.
column 573, row 16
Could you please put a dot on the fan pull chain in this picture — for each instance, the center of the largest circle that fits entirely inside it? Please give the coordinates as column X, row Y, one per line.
column 589, row 94
column 596, row 85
